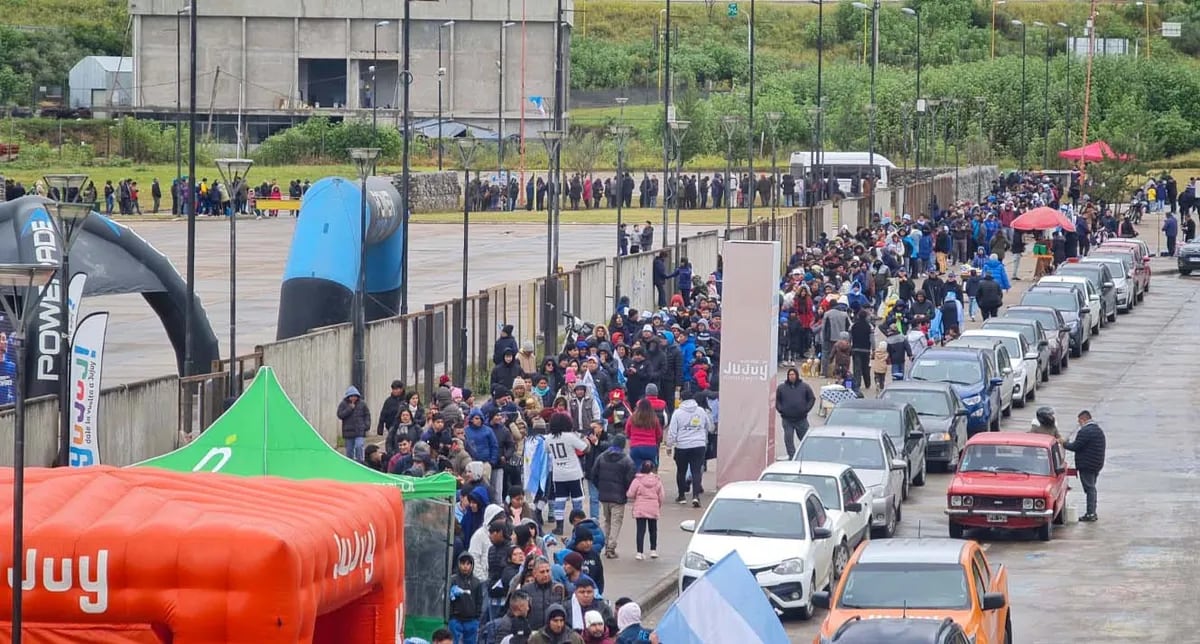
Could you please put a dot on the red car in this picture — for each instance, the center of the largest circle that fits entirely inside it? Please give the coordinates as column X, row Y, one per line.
column 1008, row 481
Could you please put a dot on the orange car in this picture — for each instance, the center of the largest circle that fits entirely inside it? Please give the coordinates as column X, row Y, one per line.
column 921, row 578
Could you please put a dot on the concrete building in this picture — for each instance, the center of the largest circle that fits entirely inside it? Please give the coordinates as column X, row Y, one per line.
column 272, row 63
column 99, row 82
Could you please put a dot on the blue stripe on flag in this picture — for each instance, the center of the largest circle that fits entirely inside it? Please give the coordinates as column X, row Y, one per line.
column 724, row 605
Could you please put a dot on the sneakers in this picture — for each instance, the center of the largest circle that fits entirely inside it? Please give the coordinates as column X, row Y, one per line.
column 680, row 500
column 1089, row 518
column 639, row 557
column 654, row 554
column 611, row 554
column 696, row 502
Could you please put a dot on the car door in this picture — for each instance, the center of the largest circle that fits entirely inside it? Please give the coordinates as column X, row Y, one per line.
column 989, row 373
column 857, row 523
column 821, row 549
column 914, row 446
column 1007, row 372
column 989, row 619
column 896, row 478
column 1058, row 460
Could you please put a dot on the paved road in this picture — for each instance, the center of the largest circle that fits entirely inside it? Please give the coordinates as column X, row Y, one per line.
column 1119, row 579
column 137, row 344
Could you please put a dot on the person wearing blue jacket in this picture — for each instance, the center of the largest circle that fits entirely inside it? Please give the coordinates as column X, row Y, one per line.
column 994, row 267
column 925, row 250
column 481, row 439
column 683, row 280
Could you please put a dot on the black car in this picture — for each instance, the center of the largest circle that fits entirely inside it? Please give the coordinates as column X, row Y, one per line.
column 1188, row 258
column 1054, row 323
column 897, row 630
column 901, row 422
column 1050, row 352
column 942, row 416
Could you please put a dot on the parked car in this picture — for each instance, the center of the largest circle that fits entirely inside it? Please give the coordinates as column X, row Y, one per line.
column 1142, row 254
column 1139, row 269
column 942, row 416
column 975, row 378
column 1009, row 481
column 1074, row 310
column 875, row 460
column 1100, row 277
column 1005, row 365
column 780, row 530
column 846, row 499
column 902, row 630
column 899, row 420
column 1022, row 357
column 1187, row 257
column 1097, row 302
column 1035, row 338
column 1121, row 269
column 1055, row 328
column 926, row 578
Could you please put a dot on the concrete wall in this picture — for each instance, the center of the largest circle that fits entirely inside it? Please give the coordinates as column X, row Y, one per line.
column 259, row 54
column 433, row 191
column 314, row 370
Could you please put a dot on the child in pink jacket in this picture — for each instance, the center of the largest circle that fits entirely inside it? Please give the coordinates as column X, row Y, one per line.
column 646, row 496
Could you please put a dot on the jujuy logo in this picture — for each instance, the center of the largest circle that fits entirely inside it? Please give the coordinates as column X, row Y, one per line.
column 354, row 552
column 746, row 370
column 93, row 598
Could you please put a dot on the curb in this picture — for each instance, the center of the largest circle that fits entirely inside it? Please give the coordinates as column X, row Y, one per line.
column 659, row 592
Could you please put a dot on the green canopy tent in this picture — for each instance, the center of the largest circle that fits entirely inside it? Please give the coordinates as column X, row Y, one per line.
column 263, row 434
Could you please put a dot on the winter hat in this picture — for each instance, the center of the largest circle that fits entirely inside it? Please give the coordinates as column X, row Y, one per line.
column 466, row 393
column 646, row 328
column 652, row 389
column 421, row 450
column 507, row 328
column 518, row 382
column 443, row 380
column 555, row 610
column 592, row 617
column 560, row 423
column 574, row 559
column 539, row 425
column 456, row 393
column 618, row 442
column 527, row 346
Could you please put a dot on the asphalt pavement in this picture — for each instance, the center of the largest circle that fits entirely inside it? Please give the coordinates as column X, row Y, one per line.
column 1117, row 580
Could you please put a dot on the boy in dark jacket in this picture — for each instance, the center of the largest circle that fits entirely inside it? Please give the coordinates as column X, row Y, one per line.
column 466, row 601
column 611, row 474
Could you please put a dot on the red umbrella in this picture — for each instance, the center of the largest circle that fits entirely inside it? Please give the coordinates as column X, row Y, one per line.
column 1043, row 218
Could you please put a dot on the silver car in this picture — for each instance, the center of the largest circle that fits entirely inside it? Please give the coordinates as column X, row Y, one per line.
column 874, row 458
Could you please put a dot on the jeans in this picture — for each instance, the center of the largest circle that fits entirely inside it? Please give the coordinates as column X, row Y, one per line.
column 989, row 311
column 1016, row 257
column 613, row 517
column 643, row 454
column 497, row 482
column 692, row 457
column 644, row 525
column 355, row 448
column 793, row 429
column 862, row 368
column 1088, row 480
column 464, row 632
column 972, row 306
column 593, row 501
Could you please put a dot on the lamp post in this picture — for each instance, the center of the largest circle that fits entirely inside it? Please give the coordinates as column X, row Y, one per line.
column 817, row 155
column 176, row 206
column 917, row 14
column 374, row 85
column 773, row 119
column 678, row 131
column 1146, row 6
column 957, row 105
column 441, row 74
column 69, row 215
column 995, row 3
column 1067, row 103
column 552, row 139
column 620, row 134
column 500, row 119
column 406, row 78
column 750, row 124
column 467, row 147
column 1045, row 99
column 668, row 116
column 190, row 211
column 233, row 174
column 814, row 114
column 1024, row 132
column 729, row 124
column 981, row 101
column 21, row 289
column 874, row 9
column 364, row 162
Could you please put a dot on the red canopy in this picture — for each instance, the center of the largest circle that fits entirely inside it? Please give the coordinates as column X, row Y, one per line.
column 1043, row 218
column 1092, row 153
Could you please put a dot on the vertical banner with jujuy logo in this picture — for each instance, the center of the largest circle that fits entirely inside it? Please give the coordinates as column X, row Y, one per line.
column 87, row 360
column 749, row 359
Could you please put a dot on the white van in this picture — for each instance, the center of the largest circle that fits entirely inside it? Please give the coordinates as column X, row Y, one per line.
column 849, row 168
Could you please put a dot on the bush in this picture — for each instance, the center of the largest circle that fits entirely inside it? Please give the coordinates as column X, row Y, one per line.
column 317, row 140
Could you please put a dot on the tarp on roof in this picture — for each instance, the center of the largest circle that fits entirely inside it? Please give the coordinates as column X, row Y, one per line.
column 451, row 129
column 1092, row 152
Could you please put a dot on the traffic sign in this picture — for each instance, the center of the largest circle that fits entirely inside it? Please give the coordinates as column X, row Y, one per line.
column 732, row 10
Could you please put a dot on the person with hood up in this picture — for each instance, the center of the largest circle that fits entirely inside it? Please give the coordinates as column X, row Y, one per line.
column 856, row 299
column 952, row 315
column 612, row 473
column 629, row 625
column 583, row 408
column 356, row 422
column 507, row 370
column 481, row 441
column 990, row 296
column 794, row 399
column 526, row 358
column 469, row 509
column 933, row 287
column 994, row 267
column 921, row 309
column 466, row 601
column 617, row 412
column 506, row 342
column 835, row 322
column 687, row 435
column 595, row 631
column 899, row 351
column 555, row 630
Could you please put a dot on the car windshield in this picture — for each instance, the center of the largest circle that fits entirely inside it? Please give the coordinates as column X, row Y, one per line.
column 1060, row 300
column 927, row 403
column 958, row 372
column 886, row 419
column 826, row 486
column 1076, row 271
column 1006, row 458
column 1012, row 344
column 861, row 453
column 1024, row 329
column 906, row 586
column 755, row 518
column 1117, row 268
column 1048, row 319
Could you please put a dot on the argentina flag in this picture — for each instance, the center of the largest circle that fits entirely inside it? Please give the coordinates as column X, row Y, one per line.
column 536, row 465
column 724, row 605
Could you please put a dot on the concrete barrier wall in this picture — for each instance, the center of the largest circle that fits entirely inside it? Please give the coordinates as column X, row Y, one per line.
column 702, row 251
column 637, row 280
column 41, row 432
column 314, row 370
column 139, row 421
column 593, row 290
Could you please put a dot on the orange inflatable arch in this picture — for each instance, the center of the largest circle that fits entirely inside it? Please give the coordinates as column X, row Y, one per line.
column 147, row 555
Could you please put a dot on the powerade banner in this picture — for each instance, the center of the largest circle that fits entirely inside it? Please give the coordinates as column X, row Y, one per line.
column 87, row 360
column 749, row 355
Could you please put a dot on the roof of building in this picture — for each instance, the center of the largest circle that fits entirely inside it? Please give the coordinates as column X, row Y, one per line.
column 122, row 64
column 931, row 551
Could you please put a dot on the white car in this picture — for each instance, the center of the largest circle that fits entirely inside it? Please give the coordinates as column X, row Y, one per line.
column 876, row 461
column 1023, row 357
column 847, row 501
column 1127, row 289
column 780, row 530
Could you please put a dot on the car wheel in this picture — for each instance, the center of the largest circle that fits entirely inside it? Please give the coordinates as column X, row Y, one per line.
column 1045, row 374
column 1185, row 272
column 1087, row 344
column 898, row 517
column 1032, row 396
column 904, row 487
column 956, row 530
column 1044, row 531
column 1066, row 362
column 1007, row 411
column 841, row 557
column 1060, row 518
column 1019, row 401
column 995, row 424
column 1076, row 352
column 920, row 480
column 1112, row 317
column 806, row 612
column 1057, row 367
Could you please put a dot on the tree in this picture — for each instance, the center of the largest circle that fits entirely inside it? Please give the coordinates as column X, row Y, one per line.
column 581, row 151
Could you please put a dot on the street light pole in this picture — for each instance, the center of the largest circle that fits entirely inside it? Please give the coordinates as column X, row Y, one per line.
column 364, row 161
column 620, row 134
column 1067, row 103
column 995, row 3
column 729, row 124
column 188, row 367
column 917, row 143
column 874, row 9
column 27, row 284
column 1024, row 131
column 1045, row 100
column 750, row 125
column 500, row 120
column 405, row 170
column 466, row 154
column 818, row 151
column 678, row 131
column 233, row 174
column 441, row 73
column 773, row 119
column 668, row 116
column 981, row 101
column 177, row 205
column 374, row 85
column 552, row 139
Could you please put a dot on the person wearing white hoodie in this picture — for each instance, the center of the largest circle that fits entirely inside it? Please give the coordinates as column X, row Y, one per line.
column 687, row 435
column 481, row 541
